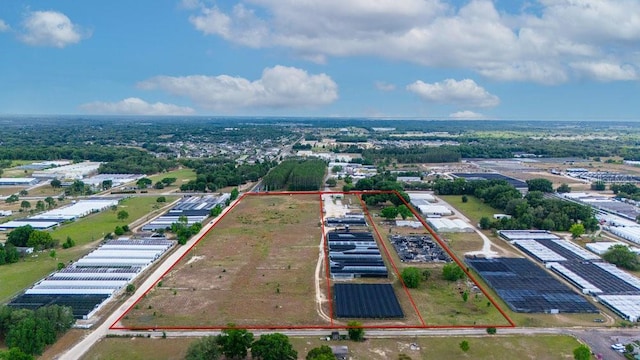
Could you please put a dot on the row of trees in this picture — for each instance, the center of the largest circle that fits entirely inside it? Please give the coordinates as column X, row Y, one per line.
column 416, row 154
column 296, row 175
column 235, row 343
column 27, row 236
column 412, row 276
column 31, row 330
column 217, row 173
column 8, row 254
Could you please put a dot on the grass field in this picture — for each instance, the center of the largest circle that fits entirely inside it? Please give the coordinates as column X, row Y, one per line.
column 498, row 347
column 255, row 268
column 86, row 232
column 182, row 175
column 474, row 208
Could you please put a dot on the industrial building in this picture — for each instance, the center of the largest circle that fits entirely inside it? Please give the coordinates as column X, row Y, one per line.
column 55, row 217
column 354, row 255
column 195, row 209
column 116, row 179
column 442, row 225
column 434, row 210
column 87, row 284
column 75, row 171
column 18, row 181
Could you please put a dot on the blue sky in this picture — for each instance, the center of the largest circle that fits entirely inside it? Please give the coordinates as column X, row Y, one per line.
column 502, row 59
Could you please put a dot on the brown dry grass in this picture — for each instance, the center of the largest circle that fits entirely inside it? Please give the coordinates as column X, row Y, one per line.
column 255, row 268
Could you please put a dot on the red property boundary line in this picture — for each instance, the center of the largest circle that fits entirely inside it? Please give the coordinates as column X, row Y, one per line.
column 332, row 326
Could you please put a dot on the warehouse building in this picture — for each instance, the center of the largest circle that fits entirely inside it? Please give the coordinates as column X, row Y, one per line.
column 90, row 282
column 196, row 209
column 18, row 181
column 75, row 171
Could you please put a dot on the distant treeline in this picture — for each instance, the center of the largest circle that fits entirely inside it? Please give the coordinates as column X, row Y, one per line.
column 217, row 173
column 124, row 160
column 416, row 154
column 296, row 175
column 532, row 211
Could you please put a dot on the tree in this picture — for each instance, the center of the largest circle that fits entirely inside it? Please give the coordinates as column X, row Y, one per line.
column 355, row 330
column 485, row 223
column 69, row 243
column 11, row 199
column 52, row 254
column 322, row 352
column 389, row 213
column 464, row 345
column 159, row 185
column 40, row 205
column 452, row 272
column 169, row 180
column 122, row 215
column 25, row 205
column 235, row 343
column 465, row 296
column 217, row 210
column 411, row 277
column 404, row 212
column 50, row 202
column 331, row 182
column 273, row 347
column 582, row 352
column 542, row 185
column 144, row 183
column 629, row 348
column 20, row 236
column 118, row 231
column 206, row 348
column 492, row 330
column 40, row 240
column 576, row 230
column 234, row 194
column 107, row 184
column 563, row 188
column 23, row 192
column 619, row 255
column 130, row 289
column 55, row 183
column 598, row 186
column 161, row 199
column 465, row 199
column 15, row 354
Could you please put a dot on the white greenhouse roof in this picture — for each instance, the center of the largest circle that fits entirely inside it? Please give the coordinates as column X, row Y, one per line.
column 538, row 250
column 626, row 305
column 582, row 283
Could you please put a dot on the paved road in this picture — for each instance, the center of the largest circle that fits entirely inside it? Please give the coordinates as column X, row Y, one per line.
column 83, row 346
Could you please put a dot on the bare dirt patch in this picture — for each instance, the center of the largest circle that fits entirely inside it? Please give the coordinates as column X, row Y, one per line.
column 256, row 269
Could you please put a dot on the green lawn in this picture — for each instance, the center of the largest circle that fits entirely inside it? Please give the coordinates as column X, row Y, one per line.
column 474, row 209
column 86, row 232
column 539, row 347
column 182, row 175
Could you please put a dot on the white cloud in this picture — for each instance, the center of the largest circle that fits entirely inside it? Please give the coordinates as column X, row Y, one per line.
column 3, row 26
column 538, row 43
column 466, row 115
column 279, row 87
column 604, row 71
column 51, row 28
column 464, row 92
column 135, row 106
column 384, row 86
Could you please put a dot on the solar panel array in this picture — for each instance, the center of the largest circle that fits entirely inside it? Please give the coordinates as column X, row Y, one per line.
column 354, row 254
column 92, row 280
column 370, row 301
column 612, row 286
column 527, row 288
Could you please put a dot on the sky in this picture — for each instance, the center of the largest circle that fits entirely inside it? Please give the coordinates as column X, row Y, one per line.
column 431, row 59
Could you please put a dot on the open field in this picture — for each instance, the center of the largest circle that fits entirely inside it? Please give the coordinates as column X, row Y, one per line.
column 87, row 233
column 254, row 268
column 182, row 175
column 474, row 208
column 498, row 347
